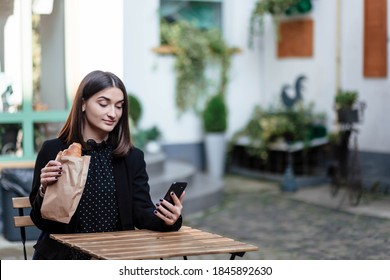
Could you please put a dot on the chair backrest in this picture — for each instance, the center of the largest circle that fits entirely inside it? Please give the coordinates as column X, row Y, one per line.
column 22, row 220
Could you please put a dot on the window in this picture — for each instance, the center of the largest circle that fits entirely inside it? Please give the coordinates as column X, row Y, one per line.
column 204, row 14
column 10, row 139
column 33, row 95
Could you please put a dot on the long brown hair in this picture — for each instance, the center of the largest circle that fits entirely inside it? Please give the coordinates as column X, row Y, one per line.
column 93, row 83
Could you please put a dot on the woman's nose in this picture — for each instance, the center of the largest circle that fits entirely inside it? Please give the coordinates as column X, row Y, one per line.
column 112, row 112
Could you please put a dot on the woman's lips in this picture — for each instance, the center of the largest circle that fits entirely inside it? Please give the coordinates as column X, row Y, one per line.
column 107, row 122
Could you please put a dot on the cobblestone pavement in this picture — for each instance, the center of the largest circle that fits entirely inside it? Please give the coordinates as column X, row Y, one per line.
column 282, row 227
column 287, row 229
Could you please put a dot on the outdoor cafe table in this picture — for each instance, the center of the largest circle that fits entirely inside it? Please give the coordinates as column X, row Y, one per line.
column 146, row 244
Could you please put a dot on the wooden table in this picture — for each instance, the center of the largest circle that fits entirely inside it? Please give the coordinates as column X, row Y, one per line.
column 146, row 244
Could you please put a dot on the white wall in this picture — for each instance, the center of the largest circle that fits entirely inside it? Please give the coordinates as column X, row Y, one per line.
column 245, row 88
column 94, row 38
column 119, row 35
column 374, row 133
column 151, row 77
column 322, row 70
column 257, row 75
column 319, row 69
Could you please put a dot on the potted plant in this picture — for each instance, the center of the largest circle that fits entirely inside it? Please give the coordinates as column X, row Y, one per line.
column 148, row 139
column 215, row 124
column 280, row 125
column 344, row 104
column 347, row 108
column 144, row 138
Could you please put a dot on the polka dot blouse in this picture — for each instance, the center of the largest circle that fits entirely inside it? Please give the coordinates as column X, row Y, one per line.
column 98, row 209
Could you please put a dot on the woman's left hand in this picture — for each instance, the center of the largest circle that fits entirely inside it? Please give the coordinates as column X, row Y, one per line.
column 168, row 212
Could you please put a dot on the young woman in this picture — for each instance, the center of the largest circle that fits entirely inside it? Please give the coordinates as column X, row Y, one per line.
column 116, row 194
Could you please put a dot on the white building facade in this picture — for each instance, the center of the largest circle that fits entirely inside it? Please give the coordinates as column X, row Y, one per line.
column 118, row 36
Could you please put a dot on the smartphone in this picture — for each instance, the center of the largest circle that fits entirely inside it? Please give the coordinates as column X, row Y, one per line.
column 176, row 187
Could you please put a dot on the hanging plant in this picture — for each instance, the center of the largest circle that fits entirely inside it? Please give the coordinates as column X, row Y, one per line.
column 275, row 8
column 195, row 49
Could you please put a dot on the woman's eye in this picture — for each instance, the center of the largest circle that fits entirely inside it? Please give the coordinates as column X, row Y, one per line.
column 102, row 105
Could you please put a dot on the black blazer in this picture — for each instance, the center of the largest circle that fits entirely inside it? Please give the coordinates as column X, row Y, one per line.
column 136, row 209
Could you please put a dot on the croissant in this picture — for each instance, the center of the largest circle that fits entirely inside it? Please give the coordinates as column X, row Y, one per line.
column 73, row 150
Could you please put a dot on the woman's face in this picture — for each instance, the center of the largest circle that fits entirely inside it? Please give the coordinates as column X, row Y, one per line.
column 102, row 112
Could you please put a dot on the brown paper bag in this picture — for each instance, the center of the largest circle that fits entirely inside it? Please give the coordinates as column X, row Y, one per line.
column 62, row 198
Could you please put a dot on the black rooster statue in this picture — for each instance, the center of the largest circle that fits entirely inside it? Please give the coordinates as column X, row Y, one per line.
column 290, row 101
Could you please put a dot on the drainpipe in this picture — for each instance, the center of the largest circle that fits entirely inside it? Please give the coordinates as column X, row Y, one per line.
column 338, row 32
column 338, row 56
column 3, row 20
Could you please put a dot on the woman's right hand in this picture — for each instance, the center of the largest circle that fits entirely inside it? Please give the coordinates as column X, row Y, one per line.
column 50, row 173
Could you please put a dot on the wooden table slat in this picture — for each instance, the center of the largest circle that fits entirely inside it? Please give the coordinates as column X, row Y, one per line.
column 134, row 238
column 151, row 242
column 146, row 244
column 75, row 236
column 155, row 246
column 108, row 237
column 137, row 250
column 183, row 252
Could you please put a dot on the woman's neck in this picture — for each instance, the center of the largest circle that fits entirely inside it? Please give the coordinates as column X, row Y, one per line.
column 96, row 138
column 97, row 135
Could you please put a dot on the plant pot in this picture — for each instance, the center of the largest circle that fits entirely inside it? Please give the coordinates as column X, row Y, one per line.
column 347, row 115
column 215, row 144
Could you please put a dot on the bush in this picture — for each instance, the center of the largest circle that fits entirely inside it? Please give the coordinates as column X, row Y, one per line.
column 267, row 127
column 135, row 108
column 215, row 114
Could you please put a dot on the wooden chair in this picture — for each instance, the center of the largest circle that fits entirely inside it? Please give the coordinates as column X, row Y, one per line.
column 22, row 221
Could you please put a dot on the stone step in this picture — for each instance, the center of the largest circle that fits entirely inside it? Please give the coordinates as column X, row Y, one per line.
column 203, row 191
column 155, row 164
column 173, row 171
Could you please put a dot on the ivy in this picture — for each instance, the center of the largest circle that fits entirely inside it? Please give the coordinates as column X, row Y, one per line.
column 195, row 50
